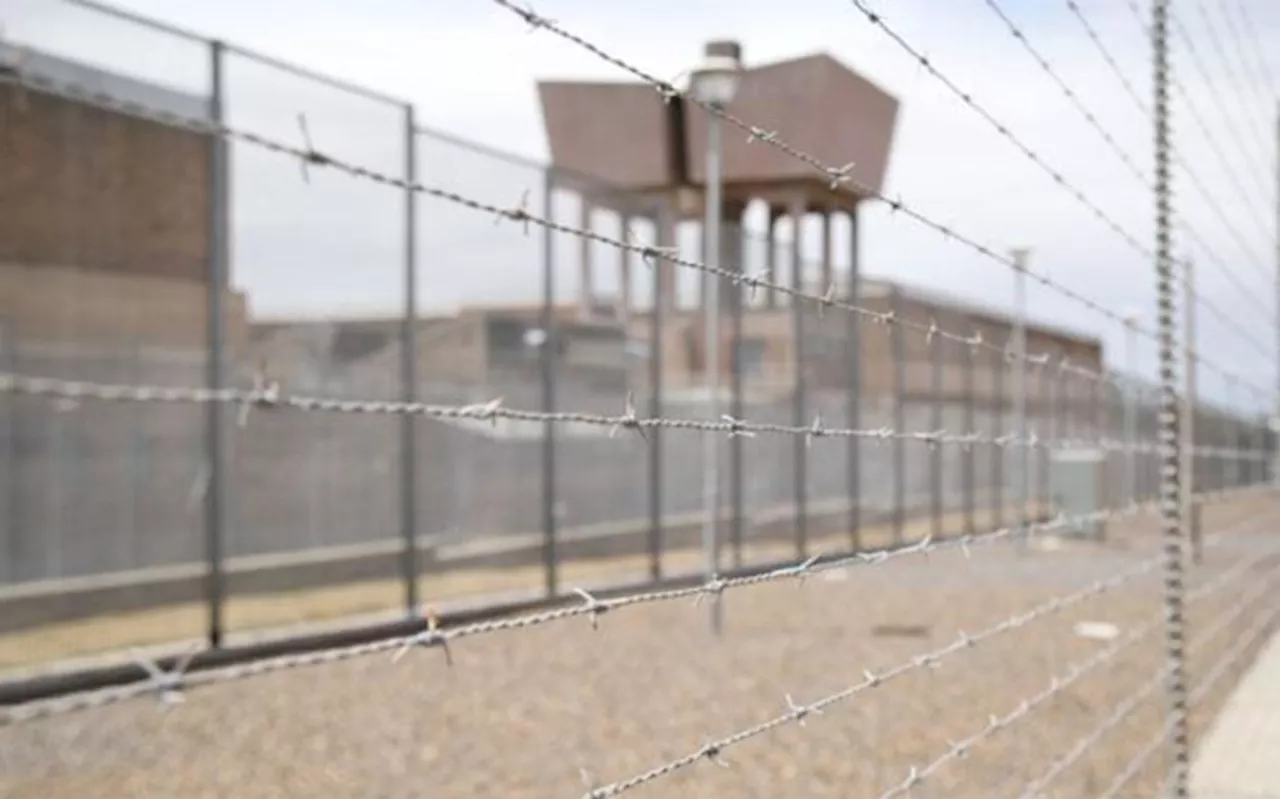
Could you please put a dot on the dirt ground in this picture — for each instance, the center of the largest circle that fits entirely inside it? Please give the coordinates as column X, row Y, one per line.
column 525, row 713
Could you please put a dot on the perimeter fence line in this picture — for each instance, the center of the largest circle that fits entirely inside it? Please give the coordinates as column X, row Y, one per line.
column 1238, row 460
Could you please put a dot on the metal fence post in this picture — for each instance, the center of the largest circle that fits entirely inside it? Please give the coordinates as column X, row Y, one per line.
column 1044, row 424
column 1188, row 499
column 9, row 567
column 935, row 423
column 968, row 461
column 1171, row 511
column 734, row 298
column 853, row 386
column 550, row 344
column 409, row 372
column 1274, row 426
column 800, row 451
column 1232, row 454
column 218, row 207
column 898, row 344
column 664, row 234
column 1130, row 486
column 997, row 433
column 1022, row 473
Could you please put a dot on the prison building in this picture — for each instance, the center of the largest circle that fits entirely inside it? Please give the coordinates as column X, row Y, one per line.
column 105, row 223
column 104, row 216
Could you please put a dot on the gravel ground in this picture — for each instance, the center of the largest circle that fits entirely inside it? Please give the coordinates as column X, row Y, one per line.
column 525, row 713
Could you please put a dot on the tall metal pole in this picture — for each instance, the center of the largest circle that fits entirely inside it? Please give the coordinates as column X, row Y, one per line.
column 854, row 387
column 736, row 465
column 1022, row 475
column 219, row 231
column 1275, row 420
column 898, row 346
column 1170, row 509
column 666, row 238
column 968, row 366
column 799, row 400
column 711, row 311
column 409, row 372
column 936, row 389
column 547, row 373
column 1189, row 508
column 1130, row 486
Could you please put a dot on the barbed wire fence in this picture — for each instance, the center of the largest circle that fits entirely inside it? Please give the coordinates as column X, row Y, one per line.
column 942, row 405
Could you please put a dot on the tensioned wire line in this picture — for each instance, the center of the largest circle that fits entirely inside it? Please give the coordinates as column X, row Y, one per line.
column 1110, row 140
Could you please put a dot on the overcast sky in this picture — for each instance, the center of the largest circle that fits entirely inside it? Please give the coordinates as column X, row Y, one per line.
column 332, row 246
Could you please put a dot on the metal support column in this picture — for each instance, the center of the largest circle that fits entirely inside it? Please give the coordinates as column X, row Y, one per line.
column 898, row 344
column 409, row 373
column 665, row 235
column 711, row 238
column 999, row 364
column 799, row 403
column 546, row 363
column 1130, row 487
column 936, row 389
column 1022, row 472
column 215, row 414
column 734, row 301
column 1190, row 511
column 967, row 461
column 853, row 387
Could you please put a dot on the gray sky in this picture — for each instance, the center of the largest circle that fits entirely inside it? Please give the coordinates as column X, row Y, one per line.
column 331, row 246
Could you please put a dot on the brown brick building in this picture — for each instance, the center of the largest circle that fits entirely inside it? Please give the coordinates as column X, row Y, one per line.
column 104, row 217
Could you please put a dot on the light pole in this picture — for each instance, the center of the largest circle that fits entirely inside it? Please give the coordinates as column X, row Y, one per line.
column 714, row 82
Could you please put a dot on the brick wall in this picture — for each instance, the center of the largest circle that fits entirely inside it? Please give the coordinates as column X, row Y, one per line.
column 99, row 190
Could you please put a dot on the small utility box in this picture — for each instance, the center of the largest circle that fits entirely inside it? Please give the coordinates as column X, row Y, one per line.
column 1079, row 487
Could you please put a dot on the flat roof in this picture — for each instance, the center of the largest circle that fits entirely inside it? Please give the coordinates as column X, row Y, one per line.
column 20, row 58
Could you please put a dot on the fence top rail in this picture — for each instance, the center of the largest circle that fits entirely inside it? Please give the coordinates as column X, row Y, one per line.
column 285, row 66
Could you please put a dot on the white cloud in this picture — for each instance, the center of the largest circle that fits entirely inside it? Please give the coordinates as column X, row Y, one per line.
column 470, row 69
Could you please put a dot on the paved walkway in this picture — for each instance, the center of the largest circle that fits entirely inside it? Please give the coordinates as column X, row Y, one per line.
column 1240, row 757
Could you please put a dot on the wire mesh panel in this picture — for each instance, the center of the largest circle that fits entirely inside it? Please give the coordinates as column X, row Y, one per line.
column 103, row 253
column 313, row 503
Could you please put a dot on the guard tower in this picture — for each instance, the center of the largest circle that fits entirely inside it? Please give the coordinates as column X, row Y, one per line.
column 650, row 154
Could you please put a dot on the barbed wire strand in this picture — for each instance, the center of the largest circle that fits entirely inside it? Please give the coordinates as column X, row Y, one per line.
column 1130, row 704
column 1072, row 96
column 1105, row 52
column 1186, row 95
column 1264, row 69
column 1229, row 659
column 268, row 395
column 308, row 155
column 1199, row 120
column 715, row 749
column 1110, row 140
column 1075, row 672
column 840, row 180
column 878, row 20
column 153, row 681
column 1254, row 79
column 1232, row 78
